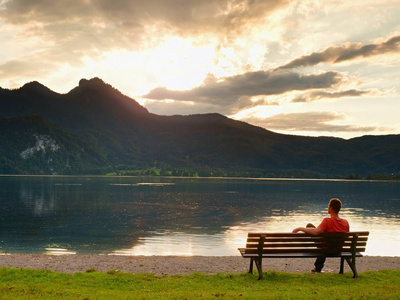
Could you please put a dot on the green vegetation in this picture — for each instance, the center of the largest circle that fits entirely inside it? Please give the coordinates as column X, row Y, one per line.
column 383, row 177
column 34, row 284
column 245, row 174
column 374, row 177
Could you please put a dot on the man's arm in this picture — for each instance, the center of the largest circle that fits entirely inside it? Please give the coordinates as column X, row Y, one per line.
column 308, row 230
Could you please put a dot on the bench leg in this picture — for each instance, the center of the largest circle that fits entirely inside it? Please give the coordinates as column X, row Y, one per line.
column 341, row 265
column 258, row 262
column 352, row 264
column 251, row 266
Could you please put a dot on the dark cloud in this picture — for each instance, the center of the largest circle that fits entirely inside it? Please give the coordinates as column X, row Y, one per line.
column 316, row 95
column 391, row 45
column 232, row 89
column 134, row 16
column 348, row 51
column 309, row 121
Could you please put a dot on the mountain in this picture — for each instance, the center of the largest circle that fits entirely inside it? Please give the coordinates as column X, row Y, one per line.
column 94, row 128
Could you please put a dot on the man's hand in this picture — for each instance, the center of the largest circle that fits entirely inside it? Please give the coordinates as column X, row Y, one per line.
column 312, row 231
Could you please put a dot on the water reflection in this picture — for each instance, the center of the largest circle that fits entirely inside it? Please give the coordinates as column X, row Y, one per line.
column 176, row 243
column 383, row 240
column 58, row 251
column 175, row 216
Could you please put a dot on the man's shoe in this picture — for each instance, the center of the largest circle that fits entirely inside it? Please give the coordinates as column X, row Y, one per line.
column 316, row 271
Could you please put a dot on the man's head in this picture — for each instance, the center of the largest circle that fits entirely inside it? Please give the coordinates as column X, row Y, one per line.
column 335, row 204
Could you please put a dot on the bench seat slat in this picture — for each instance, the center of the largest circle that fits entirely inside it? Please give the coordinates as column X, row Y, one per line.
column 296, row 245
column 283, row 245
column 291, row 235
column 301, row 255
column 303, row 239
column 294, row 250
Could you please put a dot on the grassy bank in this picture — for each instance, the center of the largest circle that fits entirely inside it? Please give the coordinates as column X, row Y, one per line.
column 34, row 284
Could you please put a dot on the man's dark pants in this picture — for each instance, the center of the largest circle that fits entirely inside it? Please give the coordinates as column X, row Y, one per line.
column 320, row 261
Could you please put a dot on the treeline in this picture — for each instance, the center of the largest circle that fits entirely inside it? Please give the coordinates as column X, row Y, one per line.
column 217, row 172
column 374, row 177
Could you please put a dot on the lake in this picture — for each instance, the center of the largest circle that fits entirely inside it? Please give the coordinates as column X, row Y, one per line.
column 182, row 216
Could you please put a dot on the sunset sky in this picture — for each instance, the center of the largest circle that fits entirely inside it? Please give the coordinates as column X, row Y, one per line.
column 320, row 68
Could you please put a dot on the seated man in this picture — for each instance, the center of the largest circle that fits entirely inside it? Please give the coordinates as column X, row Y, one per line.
column 332, row 224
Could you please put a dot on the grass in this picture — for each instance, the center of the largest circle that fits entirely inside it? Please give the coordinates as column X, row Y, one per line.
column 34, row 284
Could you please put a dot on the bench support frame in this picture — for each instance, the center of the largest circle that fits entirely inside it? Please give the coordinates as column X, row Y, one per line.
column 349, row 256
column 351, row 261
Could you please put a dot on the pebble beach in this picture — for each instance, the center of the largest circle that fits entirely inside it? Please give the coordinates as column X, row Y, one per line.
column 173, row 265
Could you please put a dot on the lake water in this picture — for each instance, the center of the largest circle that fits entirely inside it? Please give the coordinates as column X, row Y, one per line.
column 182, row 216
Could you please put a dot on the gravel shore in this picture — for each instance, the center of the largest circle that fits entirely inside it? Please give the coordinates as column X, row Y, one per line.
column 171, row 265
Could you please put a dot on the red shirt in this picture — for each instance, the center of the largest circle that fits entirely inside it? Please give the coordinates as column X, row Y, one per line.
column 334, row 225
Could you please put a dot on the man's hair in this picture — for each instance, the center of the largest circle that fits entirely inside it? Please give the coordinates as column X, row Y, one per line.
column 336, row 204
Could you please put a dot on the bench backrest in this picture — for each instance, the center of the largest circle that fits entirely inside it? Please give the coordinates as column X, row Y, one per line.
column 269, row 243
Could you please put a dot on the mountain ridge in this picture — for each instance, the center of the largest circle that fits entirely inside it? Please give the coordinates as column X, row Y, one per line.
column 123, row 134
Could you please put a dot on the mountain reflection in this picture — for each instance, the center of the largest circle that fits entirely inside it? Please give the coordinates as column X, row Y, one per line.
column 42, row 201
column 177, row 216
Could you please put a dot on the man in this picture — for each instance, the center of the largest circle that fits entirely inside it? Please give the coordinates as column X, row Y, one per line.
column 332, row 224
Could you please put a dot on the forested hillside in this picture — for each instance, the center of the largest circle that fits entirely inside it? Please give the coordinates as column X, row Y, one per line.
column 95, row 129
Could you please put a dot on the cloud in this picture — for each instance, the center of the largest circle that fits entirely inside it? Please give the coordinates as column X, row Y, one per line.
column 309, row 121
column 231, row 90
column 345, row 52
column 316, row 95
column 29, row 68
column 67, row 32
column 135, row 16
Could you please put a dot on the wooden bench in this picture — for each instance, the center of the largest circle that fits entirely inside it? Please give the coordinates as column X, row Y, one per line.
column 347, row 246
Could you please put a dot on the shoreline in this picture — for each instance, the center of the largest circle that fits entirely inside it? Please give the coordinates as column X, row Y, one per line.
column 201, row 177
column 173, row 265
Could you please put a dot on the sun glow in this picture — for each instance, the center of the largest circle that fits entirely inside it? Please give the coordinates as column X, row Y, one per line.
column 260, row 111
column 176, row 63
column 179, row 58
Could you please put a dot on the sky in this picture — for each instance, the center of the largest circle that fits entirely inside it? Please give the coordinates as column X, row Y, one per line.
column 314, row 68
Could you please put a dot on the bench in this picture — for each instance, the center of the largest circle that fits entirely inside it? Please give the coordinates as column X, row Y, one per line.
column 347, row 246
